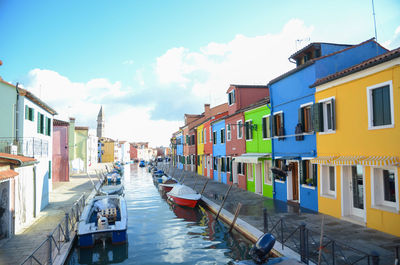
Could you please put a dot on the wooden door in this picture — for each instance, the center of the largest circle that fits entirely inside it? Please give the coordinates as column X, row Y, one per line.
column 295, row 181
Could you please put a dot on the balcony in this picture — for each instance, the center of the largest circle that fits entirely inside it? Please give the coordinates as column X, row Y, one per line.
column 28, row 146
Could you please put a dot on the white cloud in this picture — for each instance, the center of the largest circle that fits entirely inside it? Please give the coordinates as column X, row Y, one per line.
column 243, row 60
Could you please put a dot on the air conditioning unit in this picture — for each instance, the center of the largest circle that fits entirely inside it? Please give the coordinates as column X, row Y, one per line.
column 12, row 149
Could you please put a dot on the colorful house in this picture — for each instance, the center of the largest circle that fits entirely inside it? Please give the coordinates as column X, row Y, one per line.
column 258, row 148
column 200, row 148
column 294, row 115
column 60, row 151
column 179, row 149
column 358, row 141
column 239, row 97
column 220, row 162
column 107, row 150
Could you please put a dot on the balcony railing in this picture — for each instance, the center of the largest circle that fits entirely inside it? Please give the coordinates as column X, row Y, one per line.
column 27, row 146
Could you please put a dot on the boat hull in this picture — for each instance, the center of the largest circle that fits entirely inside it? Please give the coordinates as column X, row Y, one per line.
column 89, row 240
column 182, row 201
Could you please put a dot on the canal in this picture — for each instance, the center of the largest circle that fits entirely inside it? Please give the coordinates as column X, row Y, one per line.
column 160, row 233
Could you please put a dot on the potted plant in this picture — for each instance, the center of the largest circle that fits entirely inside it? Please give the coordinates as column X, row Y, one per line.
column 309, row 181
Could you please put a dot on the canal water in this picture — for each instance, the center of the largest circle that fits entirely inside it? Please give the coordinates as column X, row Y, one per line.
column 160, row 233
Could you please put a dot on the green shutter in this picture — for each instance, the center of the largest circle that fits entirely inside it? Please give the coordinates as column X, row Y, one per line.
column 317, row 117
column 32, row 114
column 301, row 118
column 282, row 126
column 302, row 167
column 38, row 123
column 315, row 174
column 273, row 125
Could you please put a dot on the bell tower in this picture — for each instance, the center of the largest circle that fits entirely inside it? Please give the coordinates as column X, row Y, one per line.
column 100, row 123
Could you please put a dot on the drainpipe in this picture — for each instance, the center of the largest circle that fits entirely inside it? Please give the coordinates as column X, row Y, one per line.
column 16, row 113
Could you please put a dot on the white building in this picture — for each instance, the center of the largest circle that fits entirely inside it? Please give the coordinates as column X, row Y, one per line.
column 92, row 148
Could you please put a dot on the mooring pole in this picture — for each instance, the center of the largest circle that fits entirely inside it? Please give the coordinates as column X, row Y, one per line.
column 67, row 227
column 50, row 260
column 204, row 187
column 223, row 202
column 265, row 215
column 236, row 215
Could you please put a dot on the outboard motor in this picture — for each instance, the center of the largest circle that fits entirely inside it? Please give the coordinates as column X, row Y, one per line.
column 102, row 223
column 259, row 252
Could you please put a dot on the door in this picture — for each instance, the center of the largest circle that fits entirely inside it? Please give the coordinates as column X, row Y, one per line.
column 357, row 191
column 234, row 172
column 294, row 180
column 219, row 169
column 258, row 180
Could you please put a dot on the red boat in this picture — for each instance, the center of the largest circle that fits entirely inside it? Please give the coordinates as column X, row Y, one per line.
column 184, row 196
column 168, row 184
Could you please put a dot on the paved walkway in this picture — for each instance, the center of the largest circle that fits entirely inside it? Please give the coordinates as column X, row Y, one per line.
column 15, row 250
column 347, row 235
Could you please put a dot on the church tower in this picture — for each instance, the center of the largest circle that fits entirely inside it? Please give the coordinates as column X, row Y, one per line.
column 100, row 123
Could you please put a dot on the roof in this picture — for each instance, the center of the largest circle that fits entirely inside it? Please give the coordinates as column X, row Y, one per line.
column 100, row 116
column 81, row 128
column 249, row 86
column 7, row 174
column 316, row 44
column 60, row 123
column 257, row 104
column 17, row 159
column 359, row 67
column 310, row 62
column 38, row 101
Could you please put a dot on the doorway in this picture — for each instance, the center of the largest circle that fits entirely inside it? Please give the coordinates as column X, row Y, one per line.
column 293, row 182
column 258, row 179
column 353, row 192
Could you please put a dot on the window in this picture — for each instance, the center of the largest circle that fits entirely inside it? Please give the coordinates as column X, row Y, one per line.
column 323, row 116
column 384, row 188
column 214, row 137
column 239, row 129
column 240, row 168
column 231, row 97
column 192, row 142
column 222, row 136
column 277, row 125
column 308, row 173
column 328, row 181
column 305, row 117
column 29, row 113
column 210, row 135
column 266, row 127
column 248, row 130
column 250, row 172
column 380, row 105
column 228, row 132
column 48, row 126
column 228, row 164
column 215, row 166
column 267, row 172
column 205, row 135
column 40, row 123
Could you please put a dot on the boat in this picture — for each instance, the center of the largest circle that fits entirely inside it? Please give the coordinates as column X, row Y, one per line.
column 142, row 164
column 113, row 177
column 184, row 196
column 103, row 218
column 112, row 189
column 167, row 183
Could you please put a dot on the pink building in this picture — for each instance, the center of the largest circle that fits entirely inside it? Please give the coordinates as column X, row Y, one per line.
column 60, row 169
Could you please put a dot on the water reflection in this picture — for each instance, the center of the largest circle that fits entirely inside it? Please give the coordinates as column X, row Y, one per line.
column 98, row 255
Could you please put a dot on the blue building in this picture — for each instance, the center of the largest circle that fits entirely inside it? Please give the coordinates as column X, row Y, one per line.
column 296, row 117
column 179, row 150
column 220, row 163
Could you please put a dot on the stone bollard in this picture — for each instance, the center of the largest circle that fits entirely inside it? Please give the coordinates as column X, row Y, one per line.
column 50, row 261
column 303, row 243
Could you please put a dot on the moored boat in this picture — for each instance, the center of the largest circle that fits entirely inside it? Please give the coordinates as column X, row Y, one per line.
column 168, row 183
column 103, row 218
column 113, row 178
column 184, row 196
column 112, row 189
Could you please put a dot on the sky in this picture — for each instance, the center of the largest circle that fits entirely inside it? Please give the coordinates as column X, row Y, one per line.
column 150, row 62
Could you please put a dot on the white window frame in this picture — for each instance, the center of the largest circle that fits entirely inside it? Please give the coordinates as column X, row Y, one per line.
column 377, row 196
column 228, row 132
column 205, row 135
column 239, row 129
column 211, row 140
column 324, row 179
column 324, row 113
column 251, row 130
column 370, row 107
column 267, row 172
column 270, row 132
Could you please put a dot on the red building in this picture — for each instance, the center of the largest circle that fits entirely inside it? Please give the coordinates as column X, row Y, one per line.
column 239, row 97
column 60, row 169
column 133, row 151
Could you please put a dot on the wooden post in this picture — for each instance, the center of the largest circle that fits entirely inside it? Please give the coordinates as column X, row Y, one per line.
column 236, row 215
column 223, row 202
column 204, row 187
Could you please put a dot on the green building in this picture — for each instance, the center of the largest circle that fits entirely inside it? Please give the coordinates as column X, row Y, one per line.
column 258, row 148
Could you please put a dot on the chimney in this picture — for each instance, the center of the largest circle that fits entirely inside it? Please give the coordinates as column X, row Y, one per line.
column 207, row 111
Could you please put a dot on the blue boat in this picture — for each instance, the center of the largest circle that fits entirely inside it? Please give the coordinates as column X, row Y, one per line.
column 103, row 218
column 113, row 178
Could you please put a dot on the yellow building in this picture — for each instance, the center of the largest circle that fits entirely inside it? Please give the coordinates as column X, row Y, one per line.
column 107, row 150
column 200, row 148
column 358, row 143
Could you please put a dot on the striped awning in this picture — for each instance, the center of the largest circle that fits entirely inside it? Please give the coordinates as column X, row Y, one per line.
column 348, row 160
column 380, row 161
column 323, row 160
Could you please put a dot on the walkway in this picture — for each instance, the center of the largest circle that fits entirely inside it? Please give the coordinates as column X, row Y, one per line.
column 346, row 235
column 16, row 249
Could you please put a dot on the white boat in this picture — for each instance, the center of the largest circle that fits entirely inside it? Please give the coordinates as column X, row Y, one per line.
column 112, row 189
column 104, row 217
column 184, row 196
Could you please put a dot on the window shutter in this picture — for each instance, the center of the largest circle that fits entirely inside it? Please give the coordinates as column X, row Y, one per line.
column 301, row 118
column 26, row 112
column 333, row 113
column 33, row 114
column 317, row 117
column 264, row 127
column 273, row 126
column 38, row 123
column 302, row 167
column 282, row 130
column 315, row 174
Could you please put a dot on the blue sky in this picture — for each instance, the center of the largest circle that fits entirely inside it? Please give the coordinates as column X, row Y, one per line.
column 149, row 62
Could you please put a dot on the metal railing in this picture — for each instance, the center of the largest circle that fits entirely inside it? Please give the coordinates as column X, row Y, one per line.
column 26, row 146
column 48, row 250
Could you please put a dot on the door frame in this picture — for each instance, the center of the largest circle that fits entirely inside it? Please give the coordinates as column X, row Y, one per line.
column 258, row 183
column 347, row 195
column 289, row 182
